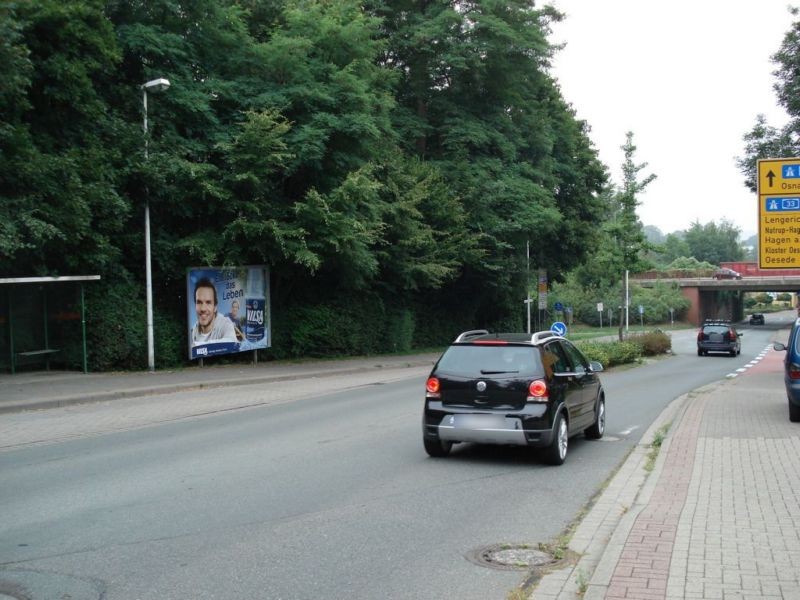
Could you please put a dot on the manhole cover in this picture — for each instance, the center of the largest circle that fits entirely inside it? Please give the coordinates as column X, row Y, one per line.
column 511, row 557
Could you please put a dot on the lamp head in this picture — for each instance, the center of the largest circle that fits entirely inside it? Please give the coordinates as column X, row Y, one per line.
column 156, row 85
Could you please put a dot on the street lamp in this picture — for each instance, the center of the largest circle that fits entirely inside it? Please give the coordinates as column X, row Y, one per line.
column 154, row 86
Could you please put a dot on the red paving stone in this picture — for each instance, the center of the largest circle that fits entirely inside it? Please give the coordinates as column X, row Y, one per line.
column 643, row 569
column 771, row 363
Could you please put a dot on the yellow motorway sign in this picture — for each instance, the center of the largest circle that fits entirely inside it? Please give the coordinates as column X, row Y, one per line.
column 779, row 213
column 779, row 176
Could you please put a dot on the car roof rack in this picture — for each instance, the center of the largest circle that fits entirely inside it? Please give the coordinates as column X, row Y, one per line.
column 463, row 337
column 717, row 322
column 541, row 336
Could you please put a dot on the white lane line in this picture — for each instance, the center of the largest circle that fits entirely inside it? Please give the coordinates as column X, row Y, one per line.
column 752, row 363
column 629, row 430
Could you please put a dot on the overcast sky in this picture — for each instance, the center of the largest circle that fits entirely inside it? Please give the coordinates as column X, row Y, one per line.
column 688, row 78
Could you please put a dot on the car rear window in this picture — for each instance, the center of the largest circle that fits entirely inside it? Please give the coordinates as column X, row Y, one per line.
column 721, row 329
column 477, row 361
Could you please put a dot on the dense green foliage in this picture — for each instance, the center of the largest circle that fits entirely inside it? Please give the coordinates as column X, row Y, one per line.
column 764, row 140
column 387, row 161
column 714, row 243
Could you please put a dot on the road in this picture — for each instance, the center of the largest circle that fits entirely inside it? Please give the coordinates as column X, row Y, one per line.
column 329, row 496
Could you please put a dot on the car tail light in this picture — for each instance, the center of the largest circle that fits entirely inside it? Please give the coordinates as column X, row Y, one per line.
column 537, row 391
column 432, row 388
column 794, row 371
column 700, row 336
column 731, row 335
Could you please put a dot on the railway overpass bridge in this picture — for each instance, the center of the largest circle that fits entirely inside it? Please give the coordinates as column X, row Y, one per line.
column 710, row 300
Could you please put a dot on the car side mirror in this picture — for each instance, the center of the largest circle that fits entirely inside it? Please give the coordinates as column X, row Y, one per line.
column 779, row 347
column 595, row 367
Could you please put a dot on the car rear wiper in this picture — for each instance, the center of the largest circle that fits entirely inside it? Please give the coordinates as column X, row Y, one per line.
column 496, row 372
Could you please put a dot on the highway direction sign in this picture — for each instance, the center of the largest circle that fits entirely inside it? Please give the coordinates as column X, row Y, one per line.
column 779, row 213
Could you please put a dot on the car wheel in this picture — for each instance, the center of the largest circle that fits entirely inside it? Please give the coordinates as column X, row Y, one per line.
column 699, row 352
column 556, row 452
column 596, row 431
column 733, row 353
column 437, row 448
column 794, row 412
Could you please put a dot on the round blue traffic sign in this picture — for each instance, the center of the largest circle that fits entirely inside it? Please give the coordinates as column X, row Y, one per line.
column 558, row 306
column 559, row 328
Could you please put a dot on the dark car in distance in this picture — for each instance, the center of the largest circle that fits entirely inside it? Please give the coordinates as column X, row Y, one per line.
column 756, row 319
column 718, row 336
column 726, row 273
column 791, row 370
column 509, row 388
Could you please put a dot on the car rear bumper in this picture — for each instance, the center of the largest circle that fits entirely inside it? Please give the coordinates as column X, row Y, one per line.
column 717, row 346
column 528, row 427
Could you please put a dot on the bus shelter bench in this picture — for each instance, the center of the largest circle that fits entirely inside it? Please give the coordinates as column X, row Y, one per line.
column 45, row 352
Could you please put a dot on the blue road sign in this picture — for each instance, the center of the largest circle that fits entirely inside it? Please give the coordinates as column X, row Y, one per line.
column 558, row 306
column 790, row 171
column 559, row 328
column 782, row 204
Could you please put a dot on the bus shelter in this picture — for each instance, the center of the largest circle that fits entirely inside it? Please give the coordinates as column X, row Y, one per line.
column 43, row 322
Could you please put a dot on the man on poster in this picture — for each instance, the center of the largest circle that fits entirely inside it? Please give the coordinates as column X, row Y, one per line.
column 210, row 326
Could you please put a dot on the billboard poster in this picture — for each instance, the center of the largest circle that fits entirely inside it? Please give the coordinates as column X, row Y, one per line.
column 228, row 310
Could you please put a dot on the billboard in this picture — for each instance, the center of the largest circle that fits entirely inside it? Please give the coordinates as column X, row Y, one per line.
column 228, row 310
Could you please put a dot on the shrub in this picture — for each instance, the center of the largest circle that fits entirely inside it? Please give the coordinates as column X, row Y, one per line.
column 116, row 327
column 595, row 351
column 622, row 353
column 652, row 343
column 610, row 354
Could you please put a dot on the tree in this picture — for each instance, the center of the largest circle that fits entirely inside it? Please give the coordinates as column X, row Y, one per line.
column 675, row 246
column 60, row 210
column 714, row 243
column 625, row 229
column 763, row 140
column 476, row 101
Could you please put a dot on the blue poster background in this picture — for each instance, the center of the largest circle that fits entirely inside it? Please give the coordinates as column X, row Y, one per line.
column 242, row 295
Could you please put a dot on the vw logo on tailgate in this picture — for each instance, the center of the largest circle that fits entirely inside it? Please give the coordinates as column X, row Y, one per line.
column 481, row 386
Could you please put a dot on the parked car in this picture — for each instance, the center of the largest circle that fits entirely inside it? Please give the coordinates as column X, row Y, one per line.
column 791, row 371
column 726, row 273
column 509, row 388
column 718, row 336
column 756, row 319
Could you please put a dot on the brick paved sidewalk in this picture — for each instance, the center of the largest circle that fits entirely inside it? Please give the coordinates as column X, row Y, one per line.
column 718, row 517
column 723, row 520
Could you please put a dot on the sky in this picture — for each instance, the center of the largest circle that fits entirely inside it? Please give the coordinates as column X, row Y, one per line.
column 688, row 78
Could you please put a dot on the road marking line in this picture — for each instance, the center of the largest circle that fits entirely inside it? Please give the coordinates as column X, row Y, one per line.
column 629, row 430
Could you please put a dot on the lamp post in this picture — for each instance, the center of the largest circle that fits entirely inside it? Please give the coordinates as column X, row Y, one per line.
column 154, row 86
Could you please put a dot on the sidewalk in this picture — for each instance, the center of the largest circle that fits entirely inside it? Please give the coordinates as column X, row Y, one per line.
column 50, row 389
column 718, row 516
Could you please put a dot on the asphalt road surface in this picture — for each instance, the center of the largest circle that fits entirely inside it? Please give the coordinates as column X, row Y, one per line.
column 329, row 495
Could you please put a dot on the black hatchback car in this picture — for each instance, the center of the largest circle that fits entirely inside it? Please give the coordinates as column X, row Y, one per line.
column 718, row 336
column 508, row 388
